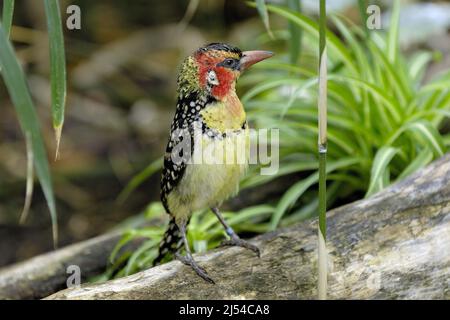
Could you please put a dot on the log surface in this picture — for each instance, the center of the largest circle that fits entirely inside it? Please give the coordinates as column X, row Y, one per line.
column 45, row 274
column 393, row 245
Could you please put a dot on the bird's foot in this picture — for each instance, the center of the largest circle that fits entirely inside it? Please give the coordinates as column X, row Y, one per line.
column 189, row 261
column 236, row 241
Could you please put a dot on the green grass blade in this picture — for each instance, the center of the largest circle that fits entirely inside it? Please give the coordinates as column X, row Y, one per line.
column 30, row 180
column 429, row 135
column 362, row 4
column 125, row 239
column 356, row 46
column 146, row 247
column 391, row 106
column 294, row 192
column 280, row 65
column 269, row 84
column 189, row 13
column 262, row 10
column 14, row 79
column 422, row 159
column 295, row 92
column 311, row 209
column 138, row 179
column 379, row 167
column 290, row 197
column 295, row 33
column 392, row 44
column 418, row 65
column 436, row 85
column 391, row 72
column 7, row 16
column 57, row 67
column 235, row 220
column 335, row 47
column 285, row 169
column 446, row 140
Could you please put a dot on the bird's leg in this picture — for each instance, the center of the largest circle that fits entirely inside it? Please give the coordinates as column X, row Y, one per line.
column 188, row 259
column 234, row 238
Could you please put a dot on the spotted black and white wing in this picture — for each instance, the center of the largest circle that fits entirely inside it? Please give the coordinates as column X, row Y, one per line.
column 181, row 143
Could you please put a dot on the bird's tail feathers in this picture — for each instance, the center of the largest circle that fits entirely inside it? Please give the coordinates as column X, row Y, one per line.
column 171, row 242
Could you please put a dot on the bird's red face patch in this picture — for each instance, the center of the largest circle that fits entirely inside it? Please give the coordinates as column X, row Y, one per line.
column 223, row 78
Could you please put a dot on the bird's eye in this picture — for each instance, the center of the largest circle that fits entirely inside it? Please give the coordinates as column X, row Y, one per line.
column 228, row 63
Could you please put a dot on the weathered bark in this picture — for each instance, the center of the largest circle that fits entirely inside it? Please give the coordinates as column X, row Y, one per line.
column 45, row 274
column 394, row 245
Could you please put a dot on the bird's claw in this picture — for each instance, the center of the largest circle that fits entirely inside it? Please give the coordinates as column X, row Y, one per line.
column 189, row 261
column 236, row 241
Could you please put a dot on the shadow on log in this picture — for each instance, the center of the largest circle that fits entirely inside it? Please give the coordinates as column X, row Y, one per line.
column 394, row 245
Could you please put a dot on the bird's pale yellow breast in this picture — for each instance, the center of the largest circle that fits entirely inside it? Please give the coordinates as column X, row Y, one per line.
column 225, row 115
column 223, row 161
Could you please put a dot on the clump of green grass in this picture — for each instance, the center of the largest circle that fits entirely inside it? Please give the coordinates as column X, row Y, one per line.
column 383, row 121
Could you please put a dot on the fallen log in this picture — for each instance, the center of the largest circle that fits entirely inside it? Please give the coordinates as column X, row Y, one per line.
column 45, row 274
column 393, row 245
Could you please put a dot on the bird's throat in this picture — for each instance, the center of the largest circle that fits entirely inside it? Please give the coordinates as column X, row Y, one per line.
column 225, row 114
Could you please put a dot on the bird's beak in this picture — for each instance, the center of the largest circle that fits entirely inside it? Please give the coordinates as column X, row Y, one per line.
column 249, row 58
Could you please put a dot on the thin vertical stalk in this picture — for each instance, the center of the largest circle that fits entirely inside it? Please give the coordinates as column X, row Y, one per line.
column 322, row 148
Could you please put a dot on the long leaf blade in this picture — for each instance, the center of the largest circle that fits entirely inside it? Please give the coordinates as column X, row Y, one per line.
column 7, row 16
column 379, row 167
column 429, row 135
column 422, row 159
column 30, row 181
column 335, row 46
column 138, row 179
column 295, row 33
column 14, row 79
column 295, row 191
column 262, row 10
column 57, row 66
column 393, row 32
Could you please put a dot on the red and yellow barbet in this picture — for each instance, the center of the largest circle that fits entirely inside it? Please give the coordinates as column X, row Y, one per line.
column 209, row 110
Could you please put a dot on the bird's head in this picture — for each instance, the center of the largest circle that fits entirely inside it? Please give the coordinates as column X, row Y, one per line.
column 215, row 68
